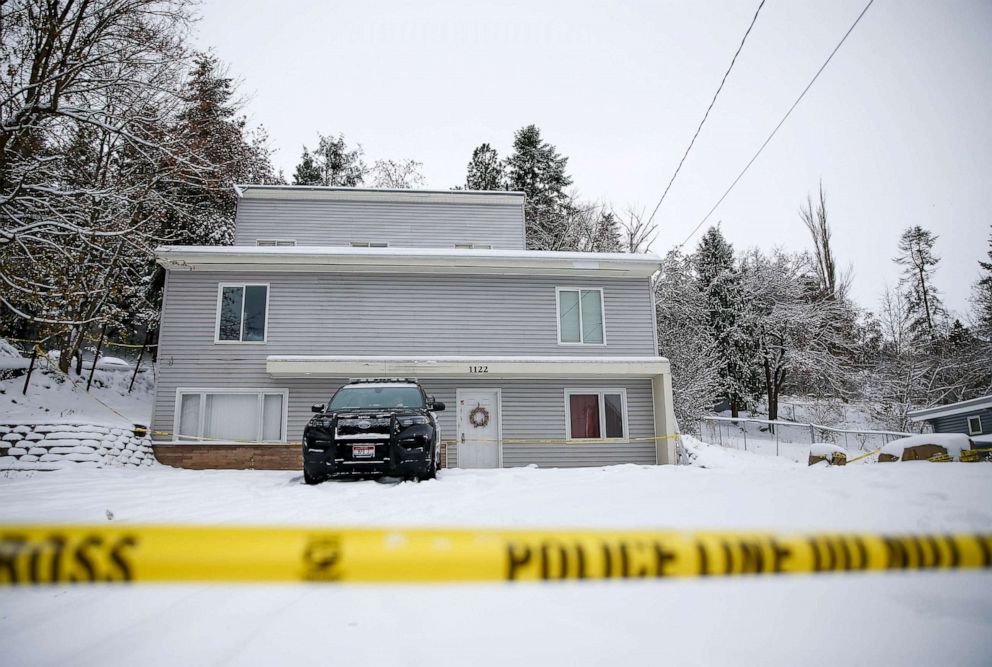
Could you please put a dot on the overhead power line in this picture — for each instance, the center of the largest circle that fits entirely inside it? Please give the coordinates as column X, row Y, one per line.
column 708, row 109
column 780, row 123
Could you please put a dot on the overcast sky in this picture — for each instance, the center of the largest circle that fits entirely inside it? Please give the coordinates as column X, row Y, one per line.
column 898, row 126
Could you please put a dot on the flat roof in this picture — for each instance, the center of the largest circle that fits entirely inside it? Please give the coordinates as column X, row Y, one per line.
column 961, row 407
column 331, row 259
column 327, row 193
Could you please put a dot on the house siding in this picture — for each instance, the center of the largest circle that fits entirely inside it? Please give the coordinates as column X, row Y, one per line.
column 959, row 423
column 401, row 224
column 532, row 409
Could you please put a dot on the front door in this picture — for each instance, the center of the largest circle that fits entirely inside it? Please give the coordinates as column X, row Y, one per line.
column 478, row 428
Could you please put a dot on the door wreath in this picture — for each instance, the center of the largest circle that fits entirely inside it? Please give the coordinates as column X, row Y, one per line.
column 479, row 417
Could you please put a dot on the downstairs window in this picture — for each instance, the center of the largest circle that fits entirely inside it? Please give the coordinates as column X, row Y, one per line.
column 596, row 414
column 231, row 415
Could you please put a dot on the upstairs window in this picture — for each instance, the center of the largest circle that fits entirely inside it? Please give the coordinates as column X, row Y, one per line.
column 369, row 244
column 474, row 246
column 975, row 425
column 275, row 242
column 580, row 316
column 596, row 414
column 242, row 313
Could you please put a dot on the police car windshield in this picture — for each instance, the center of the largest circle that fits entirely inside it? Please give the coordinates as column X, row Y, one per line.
column 356, row 397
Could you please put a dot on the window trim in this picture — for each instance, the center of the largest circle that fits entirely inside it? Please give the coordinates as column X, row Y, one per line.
column 600, row 391
column 260, row 392
column 972, row 431
column 472, row 246
column 368, row 244
column 220, row 297
column 270, row 243
column 602, row 307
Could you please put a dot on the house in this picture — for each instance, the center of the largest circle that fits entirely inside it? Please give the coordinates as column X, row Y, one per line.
column 557, row 349
column 973, row 417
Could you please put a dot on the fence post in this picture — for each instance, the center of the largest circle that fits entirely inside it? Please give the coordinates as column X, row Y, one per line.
column 812, row 434
column 745, row 436
column 34, row 355
column 776, row 442
column 96, row 357
column 137, row 364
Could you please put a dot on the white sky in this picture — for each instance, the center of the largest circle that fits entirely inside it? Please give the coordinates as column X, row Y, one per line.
column 898, row 126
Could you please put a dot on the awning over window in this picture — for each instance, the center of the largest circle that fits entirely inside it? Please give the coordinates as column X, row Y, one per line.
column 298, row 366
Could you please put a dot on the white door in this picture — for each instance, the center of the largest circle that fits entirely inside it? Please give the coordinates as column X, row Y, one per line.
column 478, row 428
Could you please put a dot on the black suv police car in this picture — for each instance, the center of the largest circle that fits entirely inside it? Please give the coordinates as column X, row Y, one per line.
column 373, row 427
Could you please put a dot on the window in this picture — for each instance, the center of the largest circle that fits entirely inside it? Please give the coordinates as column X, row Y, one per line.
column 580, row 316
column 474, row 246
column 248, row 415
column 596, row 414
column 369, row 244
column 242, row 313
column 975, row 425
column 274, row 242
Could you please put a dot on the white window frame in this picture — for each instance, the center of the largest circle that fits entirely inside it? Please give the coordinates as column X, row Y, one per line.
column 220, row 300
column 472, row 246
column 602, row 308
column 369, row 244
column 203, row 391
column 972, row 431
column 275, row 242
column 599, row 391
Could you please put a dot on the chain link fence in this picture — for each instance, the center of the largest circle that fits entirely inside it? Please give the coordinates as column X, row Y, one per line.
column 788, row 439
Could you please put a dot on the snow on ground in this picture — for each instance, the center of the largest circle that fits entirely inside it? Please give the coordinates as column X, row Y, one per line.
column 51, row 398
column 911, row 618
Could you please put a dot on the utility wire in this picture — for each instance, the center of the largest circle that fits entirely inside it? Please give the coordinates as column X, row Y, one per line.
column 708, row 109
column 780, row 123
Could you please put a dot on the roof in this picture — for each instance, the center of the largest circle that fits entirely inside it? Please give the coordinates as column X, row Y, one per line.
column 338, row 259
column 322, row 193
column 961, row 407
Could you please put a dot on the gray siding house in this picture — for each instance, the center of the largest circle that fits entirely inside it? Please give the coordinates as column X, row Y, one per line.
column 327, row 284
column 973, row 417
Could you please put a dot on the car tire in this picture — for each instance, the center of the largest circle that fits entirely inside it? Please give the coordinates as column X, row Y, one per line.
column 311, row 479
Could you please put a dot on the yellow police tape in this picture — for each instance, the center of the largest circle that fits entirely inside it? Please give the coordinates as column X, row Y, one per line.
column 32, row 554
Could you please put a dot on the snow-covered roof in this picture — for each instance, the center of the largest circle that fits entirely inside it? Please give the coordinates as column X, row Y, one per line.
column 315, row 192
column 958, row 408
column 406, row 260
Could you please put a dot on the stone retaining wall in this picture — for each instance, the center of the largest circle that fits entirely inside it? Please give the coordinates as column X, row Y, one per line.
column 54, row 446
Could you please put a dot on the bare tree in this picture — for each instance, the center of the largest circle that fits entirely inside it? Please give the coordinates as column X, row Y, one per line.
column 87, row 95
column 814, row 216
column 401, row 174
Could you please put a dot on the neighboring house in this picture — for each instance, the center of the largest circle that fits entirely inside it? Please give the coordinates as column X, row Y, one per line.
column 972, row 417
column 558, row 349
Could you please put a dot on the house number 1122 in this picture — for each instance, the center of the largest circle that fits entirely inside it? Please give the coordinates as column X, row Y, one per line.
column 478, row 369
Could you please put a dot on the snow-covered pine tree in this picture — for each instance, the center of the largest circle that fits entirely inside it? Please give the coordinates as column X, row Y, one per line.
column 307, row 172
column 485, row 171
column 606, row 236
column 331, row 164
column 729, row 319
column 536, row 168
column 919, row 263
column 685, row 339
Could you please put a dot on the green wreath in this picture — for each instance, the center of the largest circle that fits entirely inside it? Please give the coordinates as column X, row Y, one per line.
column 479, row 417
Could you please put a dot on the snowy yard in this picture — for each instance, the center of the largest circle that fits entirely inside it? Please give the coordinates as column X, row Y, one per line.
column 915, row 618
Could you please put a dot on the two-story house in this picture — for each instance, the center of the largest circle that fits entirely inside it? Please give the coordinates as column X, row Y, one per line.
column 546, row 358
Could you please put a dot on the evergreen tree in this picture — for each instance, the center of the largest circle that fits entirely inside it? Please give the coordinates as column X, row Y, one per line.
column 227, row 154
column 982, row 297
column 606, row 236
column 485, row 171
column 923, row 300
column 720, row 282
column 331, row 164
column 537, row 169
column 307, row 172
